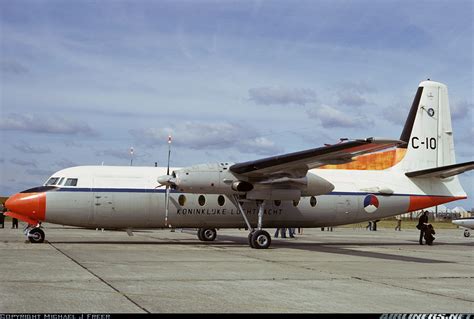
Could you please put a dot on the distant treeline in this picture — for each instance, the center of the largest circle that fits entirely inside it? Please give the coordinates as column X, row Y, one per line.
column 3, row 199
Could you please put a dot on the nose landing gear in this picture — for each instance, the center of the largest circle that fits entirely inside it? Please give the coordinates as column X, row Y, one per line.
column 35, row 234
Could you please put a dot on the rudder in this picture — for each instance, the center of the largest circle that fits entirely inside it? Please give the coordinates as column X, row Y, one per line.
column 428, row 131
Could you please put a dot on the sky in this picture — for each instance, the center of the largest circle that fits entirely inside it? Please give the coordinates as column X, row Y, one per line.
column 84, row 81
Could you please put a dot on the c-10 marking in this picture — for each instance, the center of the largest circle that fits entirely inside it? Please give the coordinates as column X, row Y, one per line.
column 429, row 143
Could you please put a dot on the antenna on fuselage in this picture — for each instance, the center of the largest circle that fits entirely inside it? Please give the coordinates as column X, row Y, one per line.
column 131, row 156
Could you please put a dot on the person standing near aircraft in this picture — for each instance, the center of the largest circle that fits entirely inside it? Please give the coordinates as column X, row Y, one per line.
column 399, row 223
column 282, row 232
column 422, row 221
column 429, row 232
column 291, row 232
column 14, row 223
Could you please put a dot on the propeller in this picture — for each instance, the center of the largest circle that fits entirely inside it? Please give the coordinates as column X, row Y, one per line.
column 168, row 182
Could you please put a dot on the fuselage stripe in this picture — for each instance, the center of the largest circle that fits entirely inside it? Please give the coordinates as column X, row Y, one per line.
column 146, row 190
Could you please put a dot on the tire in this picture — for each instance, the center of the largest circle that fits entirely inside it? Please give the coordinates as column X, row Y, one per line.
column 209, row 234
column 467, row 233
column 36, row 235
column 261, row 239
column 199, row 234
column 250, row 239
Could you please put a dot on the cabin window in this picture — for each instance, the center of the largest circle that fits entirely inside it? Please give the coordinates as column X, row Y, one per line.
column 71, row 182
column 202, row 200
column 296, row 202
column 277, row 202
column 221, row 200
column 312, row 201
column 52, row 181
column 181, row 200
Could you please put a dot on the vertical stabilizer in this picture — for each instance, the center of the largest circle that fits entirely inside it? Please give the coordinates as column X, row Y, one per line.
column 428, row 132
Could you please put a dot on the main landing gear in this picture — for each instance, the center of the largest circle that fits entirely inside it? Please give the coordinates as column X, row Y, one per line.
column 258, row 238
column 35, row 234
column 207, row 234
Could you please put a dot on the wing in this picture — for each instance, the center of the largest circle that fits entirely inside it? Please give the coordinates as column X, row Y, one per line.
column 296, row 165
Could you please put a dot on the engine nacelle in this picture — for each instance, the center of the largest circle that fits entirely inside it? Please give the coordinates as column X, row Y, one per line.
column 216, row 178
column 212, row 178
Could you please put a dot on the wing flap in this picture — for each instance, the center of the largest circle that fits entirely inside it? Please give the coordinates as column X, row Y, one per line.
column 443, row 171
column 297, row 164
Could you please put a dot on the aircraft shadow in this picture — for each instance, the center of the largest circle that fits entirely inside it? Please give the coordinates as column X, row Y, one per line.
column 341, row 248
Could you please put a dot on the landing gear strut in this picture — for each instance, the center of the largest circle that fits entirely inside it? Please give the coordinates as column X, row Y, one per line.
column 35, row 235
column 258, row 239
column 207, row 234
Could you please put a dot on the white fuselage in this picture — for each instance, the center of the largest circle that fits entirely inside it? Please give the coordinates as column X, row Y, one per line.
column 130, row 197
column 465, row 222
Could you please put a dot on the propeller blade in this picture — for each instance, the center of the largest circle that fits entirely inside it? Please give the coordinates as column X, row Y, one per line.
column 167, row 180
column 167, row 204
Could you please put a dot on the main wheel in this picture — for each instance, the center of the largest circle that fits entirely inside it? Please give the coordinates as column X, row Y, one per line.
column 467, row 233
column 209, row 234
column 261, row 239
column 199, row 233
column 250, row 239
column 36, row 235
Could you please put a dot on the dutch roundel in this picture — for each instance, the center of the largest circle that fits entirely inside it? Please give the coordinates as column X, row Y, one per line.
column 371, row 203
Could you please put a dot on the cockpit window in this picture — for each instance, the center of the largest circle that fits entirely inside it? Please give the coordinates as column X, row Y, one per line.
column 61, row 181
column 52, row 181
column 71, row 182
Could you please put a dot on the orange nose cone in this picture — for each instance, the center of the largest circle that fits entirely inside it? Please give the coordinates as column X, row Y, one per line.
column 32, row 205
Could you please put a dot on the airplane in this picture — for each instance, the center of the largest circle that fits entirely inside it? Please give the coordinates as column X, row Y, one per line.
column 349, row 182
column 466, row 223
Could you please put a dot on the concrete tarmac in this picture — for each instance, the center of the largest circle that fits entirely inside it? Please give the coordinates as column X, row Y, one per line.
column 349, row 270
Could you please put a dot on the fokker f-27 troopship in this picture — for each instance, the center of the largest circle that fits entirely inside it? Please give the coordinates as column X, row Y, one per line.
column 349, row 182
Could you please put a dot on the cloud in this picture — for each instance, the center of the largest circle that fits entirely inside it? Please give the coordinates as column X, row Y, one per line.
column 25, row 148
column 351, row 99
column 259, row 145
column 38, row 172
column 72, row 143
column 208, row 136
column 282, row 96
column 64, row 163
column 13, row 67
column 331, row 117
column 120, row 154
column 21, row 162
column 461, row 110
column 396, row 114
column 47, row 125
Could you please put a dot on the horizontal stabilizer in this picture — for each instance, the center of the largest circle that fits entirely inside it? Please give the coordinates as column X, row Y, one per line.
column 443, row 171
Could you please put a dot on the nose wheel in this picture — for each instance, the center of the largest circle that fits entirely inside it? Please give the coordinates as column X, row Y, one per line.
column 36, row 235
column 467, row 233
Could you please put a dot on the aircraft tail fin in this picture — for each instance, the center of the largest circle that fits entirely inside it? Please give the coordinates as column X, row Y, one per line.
column 427, row 131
